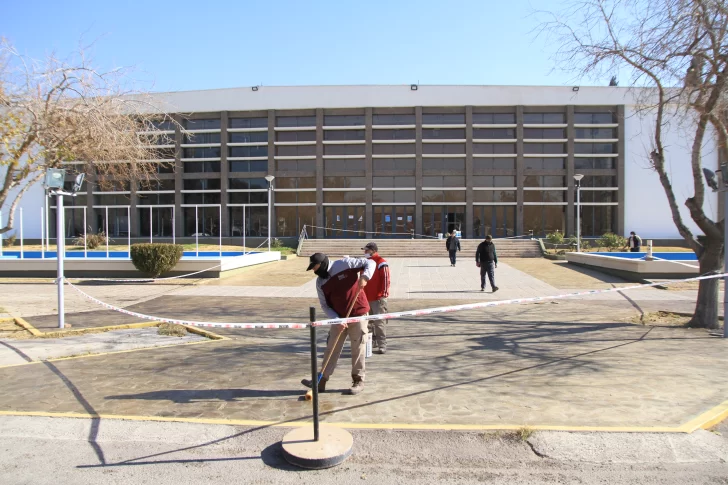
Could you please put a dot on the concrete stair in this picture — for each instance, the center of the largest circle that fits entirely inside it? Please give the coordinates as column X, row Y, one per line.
column 419, row 248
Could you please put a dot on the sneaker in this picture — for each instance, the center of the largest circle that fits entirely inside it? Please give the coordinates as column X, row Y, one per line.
column 482, row 288
column 382, row 350
column 309, row 383
column 356, row 386
column 495, row 288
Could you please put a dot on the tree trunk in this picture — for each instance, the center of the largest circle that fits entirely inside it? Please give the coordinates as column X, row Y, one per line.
column 706, row 309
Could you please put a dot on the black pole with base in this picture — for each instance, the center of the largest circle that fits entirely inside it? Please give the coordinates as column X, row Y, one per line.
column 316, row 447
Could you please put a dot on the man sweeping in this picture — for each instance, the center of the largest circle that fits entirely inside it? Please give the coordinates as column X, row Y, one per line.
column 339, row 286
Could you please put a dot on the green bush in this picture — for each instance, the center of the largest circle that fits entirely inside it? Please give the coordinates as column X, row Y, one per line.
column 276, row 243
column 9, row 241
column 572, row 241
column 555, row 238
column 611, row 241
column 155, row 259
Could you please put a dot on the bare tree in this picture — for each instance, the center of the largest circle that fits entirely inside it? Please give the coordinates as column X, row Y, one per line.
column 55, row 111
column 679, row 50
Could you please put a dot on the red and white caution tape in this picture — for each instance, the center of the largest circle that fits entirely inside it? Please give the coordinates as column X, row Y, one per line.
column 388, row 316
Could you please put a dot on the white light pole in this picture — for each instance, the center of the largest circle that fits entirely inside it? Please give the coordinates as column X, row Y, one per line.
column 578, row 178
column 269, row 178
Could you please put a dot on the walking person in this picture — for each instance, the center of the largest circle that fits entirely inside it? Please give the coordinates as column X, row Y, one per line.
column 377, row 292
column 453, row 246
column 487, row 260
column 339, row 284
column 634, row 242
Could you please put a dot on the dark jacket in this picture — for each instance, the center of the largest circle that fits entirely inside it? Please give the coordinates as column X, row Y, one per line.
column 457, row 243
column 486, row 253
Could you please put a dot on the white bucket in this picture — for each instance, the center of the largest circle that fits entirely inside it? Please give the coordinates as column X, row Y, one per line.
column 368, row 338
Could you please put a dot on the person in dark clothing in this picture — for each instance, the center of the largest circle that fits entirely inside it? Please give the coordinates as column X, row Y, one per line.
column 634, row 242
column 453, row 246
column 487, row 260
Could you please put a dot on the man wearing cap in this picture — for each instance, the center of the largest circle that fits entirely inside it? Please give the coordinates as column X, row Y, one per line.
column 377, row 292
column 339, row 284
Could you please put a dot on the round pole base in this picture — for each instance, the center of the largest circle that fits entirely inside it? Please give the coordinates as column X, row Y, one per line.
column 333, row 447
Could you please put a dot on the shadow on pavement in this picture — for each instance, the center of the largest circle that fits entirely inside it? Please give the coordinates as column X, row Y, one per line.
column 185, row 396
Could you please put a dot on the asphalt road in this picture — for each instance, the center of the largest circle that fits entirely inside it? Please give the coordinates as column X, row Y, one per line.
column 64, row 451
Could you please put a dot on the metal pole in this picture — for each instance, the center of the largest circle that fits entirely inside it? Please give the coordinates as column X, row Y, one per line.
column 42, row 235
column 151, row 227
column 1, row 234
column 22, row 245
column 725, row 262
column 85, row 234
column 244, row 230
column 270, row 186
column 106, row 223
column 197, row 234
column 219, row 230
column 314, row 374
column 60, row 254
column 128, row 230
column 578, row 216
column 47, row 225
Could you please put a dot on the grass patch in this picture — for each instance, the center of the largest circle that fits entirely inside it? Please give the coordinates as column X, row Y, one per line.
column 524, row 433
column 9, row 329
column 521, row 434
column 172, row 330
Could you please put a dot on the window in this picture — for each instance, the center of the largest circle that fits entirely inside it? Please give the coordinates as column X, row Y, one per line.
column 544, row 163
column 163, row 154
column 255, row 219
column 544, row 181
column 344, row 120
column 393, row 149
column 248, row 197
column 203, row 198
column 394, row 119
column 156, row 185
column 201, row 167
column 296, row 136
column 344, row 150
column 344, row 182
column 165, row 168
column 596, row 133
column 443, row 196
column 443, row 148
column 443, row 181
column 545, row 133
column 344, row 165
column 163, row 125
column 443, row 119
column 544, row 196
column 202, row 184
column 394, row 196
column 595, row 148
column 248, row 122
column 291, row 121
column 543, row 219
column 494, row 119
column 494, row 181
column 208, row 152
column 494, row 163
column 344, row 135
column 115, row 199
column 158, row 139
column 295, row 197
column 203, row 221
column 544, row 148
column 295, row 182
column 494, row 133
column 155, row 199
column 379, row 164
column 393, row 182
column 494, row 196
column 593, row 163
column 296, row 165
column 209, row 124
column 594, row 118
column 201, row 138
column 343, row 197
column 290, row 221
column 599, row 181
column 598, row 196
column 443, row 164
column 248, row 137
column 248, row 183
column 443, row 134
column 393, row 134
column 295, row 151
column 249, row 166
column 494, row 148
column 543, row 118
column 597, row 220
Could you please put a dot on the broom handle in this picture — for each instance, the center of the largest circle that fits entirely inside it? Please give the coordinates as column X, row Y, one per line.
column 326, row 362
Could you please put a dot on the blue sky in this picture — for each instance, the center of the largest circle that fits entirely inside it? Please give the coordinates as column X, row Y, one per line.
column 186, row 45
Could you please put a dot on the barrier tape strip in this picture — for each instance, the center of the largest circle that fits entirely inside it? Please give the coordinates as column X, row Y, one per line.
column 389, row 316
column 146, row 280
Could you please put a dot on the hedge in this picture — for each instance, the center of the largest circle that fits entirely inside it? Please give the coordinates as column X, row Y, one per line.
column 155, row 259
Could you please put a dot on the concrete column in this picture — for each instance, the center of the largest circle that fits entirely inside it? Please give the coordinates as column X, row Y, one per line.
column 620, row 171
column 272, row 167
column 368, row 164
column 178, row 183
column 224, row 171
column 320, row 172
column 469, row 172
column 418, row 170
column 570, row 171
column 91, row 186
column 133, row 216
column 519, row 171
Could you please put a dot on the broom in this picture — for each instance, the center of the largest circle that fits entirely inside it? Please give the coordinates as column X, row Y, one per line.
column 309, row 393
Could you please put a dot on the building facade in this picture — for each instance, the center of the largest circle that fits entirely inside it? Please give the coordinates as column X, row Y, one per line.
column 382, row 161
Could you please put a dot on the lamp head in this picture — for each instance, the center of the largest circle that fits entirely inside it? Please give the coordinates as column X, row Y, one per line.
column 269, row 178
column 78, row 182
column 54, row 178
column 578, row 177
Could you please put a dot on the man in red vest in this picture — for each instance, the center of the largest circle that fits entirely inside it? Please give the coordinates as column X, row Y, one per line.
column 377, row 292
column 338, row 284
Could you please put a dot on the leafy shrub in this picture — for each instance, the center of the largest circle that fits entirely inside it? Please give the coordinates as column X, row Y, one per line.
column 9, row 241
column 276, row 243
column 572, row 241
column 155, row 259
column 555, row 238
column 93, row 241
column 611, row 241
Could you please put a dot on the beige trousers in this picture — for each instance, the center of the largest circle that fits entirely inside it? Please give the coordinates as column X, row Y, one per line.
column 337, row 336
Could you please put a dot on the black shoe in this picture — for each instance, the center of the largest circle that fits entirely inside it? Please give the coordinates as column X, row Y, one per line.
column 495, row 288
column 309, row 383
column 382, row 350
column 482, row 288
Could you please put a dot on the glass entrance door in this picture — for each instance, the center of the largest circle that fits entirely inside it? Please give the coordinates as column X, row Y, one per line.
column 496, row 220
column 394, row 221
column 344, row 222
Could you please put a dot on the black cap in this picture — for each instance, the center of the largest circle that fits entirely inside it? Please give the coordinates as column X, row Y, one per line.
column 372, row 246
column 315, row 259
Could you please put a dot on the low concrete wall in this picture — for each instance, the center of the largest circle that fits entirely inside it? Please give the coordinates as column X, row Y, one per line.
column 634, row 270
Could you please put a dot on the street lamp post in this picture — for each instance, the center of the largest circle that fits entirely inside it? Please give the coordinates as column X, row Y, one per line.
column 269, row 178
column 578, row 178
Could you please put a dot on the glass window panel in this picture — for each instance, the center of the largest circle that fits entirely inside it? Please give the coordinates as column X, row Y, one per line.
column 295, row 151
column 443, row 134
column 200, row 138
column 443, row 164
column 248, row 122
column 543, row 118
column 443, row 148
column 206, row 222
column 394, row 119
column 344, row 120
column 545, row 148
column 494, row 133
column 247, row 183
column 208, row 124
column 595, row 148
column 342, row 197
column 248, row 137
column 296, row 165
column 546, row 133
column 291, row 136
column 344, row 165
column 201, row 167
column 291, row 121
column 494, row 163
column 202, row 184
column 494, row 119
column 249, row 166
column 596, row 133
column 443, row 119
column 201, row 198
column 345, row 182
column 453, row 181
column 393, row 134
column 344, row 135
column 164, row 125
column 207, row 152
column 593, row 163
column 393, row 163
column 342, row 149
column 594, row 118
column 393, row 149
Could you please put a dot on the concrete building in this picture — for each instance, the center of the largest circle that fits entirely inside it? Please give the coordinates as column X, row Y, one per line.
column 386, row 161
